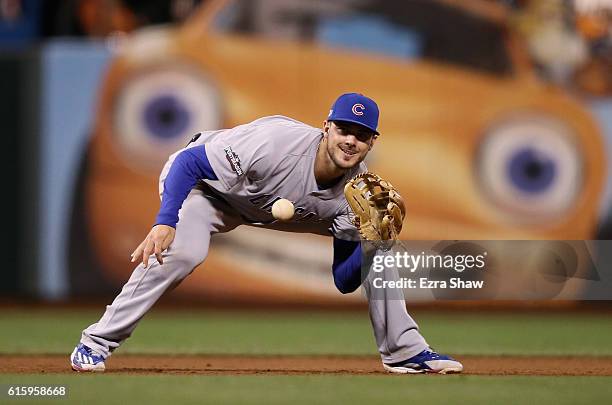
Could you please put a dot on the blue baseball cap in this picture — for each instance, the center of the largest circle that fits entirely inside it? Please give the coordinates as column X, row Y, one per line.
column 355, row 108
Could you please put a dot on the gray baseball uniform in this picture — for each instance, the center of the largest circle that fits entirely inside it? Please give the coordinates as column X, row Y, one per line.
column 256, row 164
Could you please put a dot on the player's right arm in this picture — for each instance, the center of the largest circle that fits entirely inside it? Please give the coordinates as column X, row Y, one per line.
column 188, row 167
column 158, row 240
column 224, row 156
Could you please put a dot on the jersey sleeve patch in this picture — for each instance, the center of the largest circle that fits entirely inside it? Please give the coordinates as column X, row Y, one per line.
column 233, row 160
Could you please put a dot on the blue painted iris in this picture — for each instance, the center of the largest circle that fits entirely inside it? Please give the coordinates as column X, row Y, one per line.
column 530, row 171
column 165, row 116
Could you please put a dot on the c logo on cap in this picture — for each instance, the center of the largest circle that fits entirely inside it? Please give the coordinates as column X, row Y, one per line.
column 358, row 109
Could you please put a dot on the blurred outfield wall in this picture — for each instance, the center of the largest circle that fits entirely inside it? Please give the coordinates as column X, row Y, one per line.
column 480, row 146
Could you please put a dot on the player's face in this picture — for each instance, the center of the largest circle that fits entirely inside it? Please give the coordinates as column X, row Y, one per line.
column 348, row 144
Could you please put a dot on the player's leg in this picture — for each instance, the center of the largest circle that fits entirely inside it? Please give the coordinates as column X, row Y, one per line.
column 198, row 219
column 402, row 348
column 397, row 334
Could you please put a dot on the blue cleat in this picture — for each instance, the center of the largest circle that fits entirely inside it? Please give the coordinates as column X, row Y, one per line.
column 84, row 359
column 427, row 361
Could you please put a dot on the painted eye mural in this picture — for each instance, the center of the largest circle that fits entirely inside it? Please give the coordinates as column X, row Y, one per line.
column 532, row 168
column 157, row 108
column 478, row 146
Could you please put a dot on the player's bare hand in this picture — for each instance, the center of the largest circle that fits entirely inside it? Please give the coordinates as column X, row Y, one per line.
column 158, row 240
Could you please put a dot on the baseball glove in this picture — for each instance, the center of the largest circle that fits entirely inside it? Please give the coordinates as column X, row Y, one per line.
column 378, row 207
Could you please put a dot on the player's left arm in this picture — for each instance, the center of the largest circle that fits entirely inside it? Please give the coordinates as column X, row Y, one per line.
column 379, row 212
column 348, row 253
column 346, row 266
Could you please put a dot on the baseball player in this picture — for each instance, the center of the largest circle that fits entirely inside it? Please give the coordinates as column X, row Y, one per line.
column 232, row 177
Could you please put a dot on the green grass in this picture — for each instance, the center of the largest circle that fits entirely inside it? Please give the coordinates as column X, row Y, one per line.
column 185, row 332
column 92, row 389
column 188, row 332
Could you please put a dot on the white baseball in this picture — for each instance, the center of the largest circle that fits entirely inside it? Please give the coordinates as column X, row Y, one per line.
column 283, row 210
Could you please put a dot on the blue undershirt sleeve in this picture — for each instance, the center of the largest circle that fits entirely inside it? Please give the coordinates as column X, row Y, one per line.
column 346, row 267
column 188, row 167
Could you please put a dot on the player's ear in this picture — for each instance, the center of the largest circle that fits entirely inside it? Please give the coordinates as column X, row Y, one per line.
column 326, row 125
column 374, row 138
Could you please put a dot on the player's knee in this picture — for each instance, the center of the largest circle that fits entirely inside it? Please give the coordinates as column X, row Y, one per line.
column 185, row 261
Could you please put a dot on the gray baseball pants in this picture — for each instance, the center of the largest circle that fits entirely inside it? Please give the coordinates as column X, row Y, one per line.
column 396, row 333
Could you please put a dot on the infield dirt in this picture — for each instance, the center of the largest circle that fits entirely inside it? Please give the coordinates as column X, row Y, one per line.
column 295, row 365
